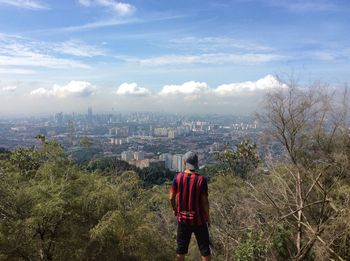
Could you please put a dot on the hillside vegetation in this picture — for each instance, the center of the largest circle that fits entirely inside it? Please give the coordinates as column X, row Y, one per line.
column 53, row 209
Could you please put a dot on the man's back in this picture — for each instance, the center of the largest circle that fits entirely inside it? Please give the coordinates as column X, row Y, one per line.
column 189, row 188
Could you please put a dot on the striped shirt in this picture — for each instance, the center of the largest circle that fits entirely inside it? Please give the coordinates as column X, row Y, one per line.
column 188, row 187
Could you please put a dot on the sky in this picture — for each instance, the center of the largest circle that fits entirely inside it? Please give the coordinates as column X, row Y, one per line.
column 195, row 56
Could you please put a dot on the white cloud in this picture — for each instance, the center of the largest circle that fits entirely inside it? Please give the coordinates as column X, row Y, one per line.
column 195, row 90
column 267, row 83
column 9, row 88
column 210, row 58
column 216, row 44
column 194, row 96
column 188, row 88
column 26, row 4
column 298, row 5
column 72, row 89
column 131, row 89
column 24, row 52
column 324, row 55
column 40, row 92
column 78, row 48
column 40, row 60
column 119, row 7
column 304, row 5
column 15, row 71
column 96, row 25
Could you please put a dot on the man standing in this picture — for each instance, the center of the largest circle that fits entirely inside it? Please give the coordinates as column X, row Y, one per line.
column 189, row 199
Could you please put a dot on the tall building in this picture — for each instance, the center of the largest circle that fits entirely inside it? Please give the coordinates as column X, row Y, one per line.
column 177, row 163
column 111, row 131
column 127, row 155
column 167, row 158
column 59, row 118
column 139, row 155
column 171, row 134
column 162, row 132
column 89, row 115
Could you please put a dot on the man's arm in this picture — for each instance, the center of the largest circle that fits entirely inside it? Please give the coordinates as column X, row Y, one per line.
column 205, row 205
column 172, row 198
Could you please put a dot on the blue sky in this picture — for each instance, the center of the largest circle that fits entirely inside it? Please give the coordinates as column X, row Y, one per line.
column 69, row 54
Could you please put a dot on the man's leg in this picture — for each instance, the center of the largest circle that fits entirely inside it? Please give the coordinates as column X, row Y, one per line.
column 202, row 236
column 206, row 258
column 183, row 240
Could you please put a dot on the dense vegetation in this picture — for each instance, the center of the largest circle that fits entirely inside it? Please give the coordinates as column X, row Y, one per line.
column 53, row 209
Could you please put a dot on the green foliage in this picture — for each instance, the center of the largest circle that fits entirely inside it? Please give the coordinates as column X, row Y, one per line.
column 211, row 171
column 4, row 154
column 84, row 154
column 26, row 159
column 112, row 166
column 61, row 212
column 155, row 175
column 240, row 161
column 282, row 242
column 109, row 166
column 251, row 247
column 86, row 142
column 53, row 209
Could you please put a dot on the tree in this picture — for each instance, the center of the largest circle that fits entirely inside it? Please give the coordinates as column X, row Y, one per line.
column 57, row 211
column 241, row 161
column 311, row 125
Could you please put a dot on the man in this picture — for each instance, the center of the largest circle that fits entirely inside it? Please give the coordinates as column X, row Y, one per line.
column 189, row 199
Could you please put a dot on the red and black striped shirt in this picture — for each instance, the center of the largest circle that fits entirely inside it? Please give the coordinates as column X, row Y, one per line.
column 188, row 187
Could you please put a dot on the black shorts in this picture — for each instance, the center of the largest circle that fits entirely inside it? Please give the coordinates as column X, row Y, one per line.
column 184, row 233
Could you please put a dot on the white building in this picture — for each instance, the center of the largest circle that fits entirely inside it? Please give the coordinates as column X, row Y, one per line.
column 139, row 155
column 171, row 134
column 177, row 163
column 162, row 132
column 127, row 155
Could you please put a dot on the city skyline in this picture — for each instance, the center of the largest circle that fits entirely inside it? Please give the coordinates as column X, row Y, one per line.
column 184, row 56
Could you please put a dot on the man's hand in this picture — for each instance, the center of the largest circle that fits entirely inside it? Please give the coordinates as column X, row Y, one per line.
column 172, row 197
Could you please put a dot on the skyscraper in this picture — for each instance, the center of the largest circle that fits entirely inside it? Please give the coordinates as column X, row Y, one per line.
column 89, row 115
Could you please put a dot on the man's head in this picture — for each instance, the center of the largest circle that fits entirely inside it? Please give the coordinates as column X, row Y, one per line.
column 191, row 160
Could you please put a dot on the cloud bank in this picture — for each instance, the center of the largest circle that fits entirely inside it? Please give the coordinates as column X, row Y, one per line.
column 9, row 88
column 191, row 87
column 267, row 83
column 191, row 96
column 72, row 89
column 132, row 89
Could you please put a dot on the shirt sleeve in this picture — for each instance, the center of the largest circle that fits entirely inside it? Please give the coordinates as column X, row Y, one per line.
column 204, row 187
column 173, row 188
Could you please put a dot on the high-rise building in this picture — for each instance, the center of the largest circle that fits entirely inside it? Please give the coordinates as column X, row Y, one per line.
column 171, row 134
column 177, row 163
column 167, row 158
column 59, row 118
column 111, row 131
column 162, row 132
column 139, row 155
column 127, row 155
column 89, row 115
